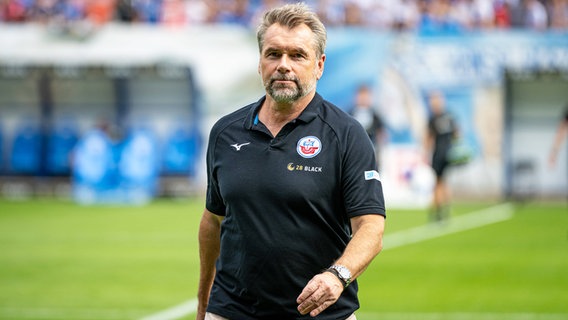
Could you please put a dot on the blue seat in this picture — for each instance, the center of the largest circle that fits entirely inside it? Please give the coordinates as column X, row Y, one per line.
column 181, row 151
column 25, row 155
column 93, row 168
column 60, row 143
column 138, row 166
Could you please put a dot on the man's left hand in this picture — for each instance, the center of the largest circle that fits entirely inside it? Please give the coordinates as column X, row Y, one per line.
column 321, row 292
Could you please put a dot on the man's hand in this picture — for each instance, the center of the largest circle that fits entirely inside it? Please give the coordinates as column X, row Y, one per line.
column 321, row 292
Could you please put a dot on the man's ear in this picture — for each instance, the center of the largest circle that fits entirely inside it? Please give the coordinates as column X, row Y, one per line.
column 320, row 65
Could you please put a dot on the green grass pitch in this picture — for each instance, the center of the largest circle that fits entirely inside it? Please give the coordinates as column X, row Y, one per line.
column 59, row 260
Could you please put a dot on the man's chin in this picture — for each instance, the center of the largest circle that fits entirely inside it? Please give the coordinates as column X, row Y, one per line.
column 284, row 95
column 286, row 99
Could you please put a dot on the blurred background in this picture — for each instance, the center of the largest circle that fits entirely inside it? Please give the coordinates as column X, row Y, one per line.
column 105, row 111
column 111, row 100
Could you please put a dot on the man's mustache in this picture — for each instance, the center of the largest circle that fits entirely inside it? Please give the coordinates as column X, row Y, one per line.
column 283, row 78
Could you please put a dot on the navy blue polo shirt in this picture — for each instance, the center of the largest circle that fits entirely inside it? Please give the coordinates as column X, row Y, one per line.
column 287, row 202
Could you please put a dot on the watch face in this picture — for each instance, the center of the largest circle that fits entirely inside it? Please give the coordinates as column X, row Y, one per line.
column 343, row 272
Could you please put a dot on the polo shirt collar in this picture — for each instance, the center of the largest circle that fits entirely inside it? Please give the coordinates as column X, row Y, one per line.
column 309, row 113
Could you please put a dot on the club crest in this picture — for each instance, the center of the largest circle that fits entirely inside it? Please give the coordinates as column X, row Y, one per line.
column 309, row 147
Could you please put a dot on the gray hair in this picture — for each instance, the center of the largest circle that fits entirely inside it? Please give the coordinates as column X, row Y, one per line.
column 291, row 16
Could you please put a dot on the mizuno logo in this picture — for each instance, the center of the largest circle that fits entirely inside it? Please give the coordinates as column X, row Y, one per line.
column 238, row 146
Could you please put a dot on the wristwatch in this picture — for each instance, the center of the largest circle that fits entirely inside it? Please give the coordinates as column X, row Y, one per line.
column 342, row 273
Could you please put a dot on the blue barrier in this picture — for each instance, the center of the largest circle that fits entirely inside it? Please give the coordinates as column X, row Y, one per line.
column 94, row 170
column 181, row 151
column 60, row 143
column 138, row 166
column 25, row 156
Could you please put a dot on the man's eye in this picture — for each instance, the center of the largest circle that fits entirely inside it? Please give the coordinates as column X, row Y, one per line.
column 298, row 56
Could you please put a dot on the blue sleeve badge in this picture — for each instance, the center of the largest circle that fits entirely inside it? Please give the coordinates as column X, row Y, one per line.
column 372, row 175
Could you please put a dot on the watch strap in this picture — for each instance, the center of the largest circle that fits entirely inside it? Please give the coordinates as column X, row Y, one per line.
column 336, row 273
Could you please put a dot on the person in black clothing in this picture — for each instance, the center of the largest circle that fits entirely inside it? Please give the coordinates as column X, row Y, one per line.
column 559, row 138
column 363, row 112
column 442, row 130
column 294, row 203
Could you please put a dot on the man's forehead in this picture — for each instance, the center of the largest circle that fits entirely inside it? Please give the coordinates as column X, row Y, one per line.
column 278, row 36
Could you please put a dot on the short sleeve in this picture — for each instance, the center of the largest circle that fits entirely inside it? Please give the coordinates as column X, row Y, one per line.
column 213, row 200
column 361, row 184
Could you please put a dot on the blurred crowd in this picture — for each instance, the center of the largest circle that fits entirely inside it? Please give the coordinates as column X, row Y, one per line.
column 421, row 15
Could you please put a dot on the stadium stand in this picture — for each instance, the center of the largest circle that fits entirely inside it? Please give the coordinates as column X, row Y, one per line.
column 82, row 17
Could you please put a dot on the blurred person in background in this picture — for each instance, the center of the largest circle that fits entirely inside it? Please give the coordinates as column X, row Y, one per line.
column 259, row 10
column 100, row 12
column 173, row 13
column 364, row 112
column 331, row 12
column 516, row 13
column 558, row 14
column 484, row 13
column 74, row 10
column 442, row 130
column 463, row 12
column 370, row 13
column 536, row 17
column 125, row 11
column 148, row 11
column 406, row 15
column 13, row 11
column 502, row 14
column 236, row 12
column 354, row 14
column 200, row 12
column 294, row 204
column 44, row 11
column 559, row 138
column 436, row 18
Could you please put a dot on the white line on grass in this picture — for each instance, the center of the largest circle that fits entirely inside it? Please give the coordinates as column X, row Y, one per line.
column 175, row 312
column 454, row 225
column 461, row 223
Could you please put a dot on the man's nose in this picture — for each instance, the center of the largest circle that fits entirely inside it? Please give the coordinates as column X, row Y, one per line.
column 284, row 64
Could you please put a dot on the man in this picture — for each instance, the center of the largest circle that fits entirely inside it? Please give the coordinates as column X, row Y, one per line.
column 442, row 130
column 363, row 112
column 294, row 209
column 559, row 137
